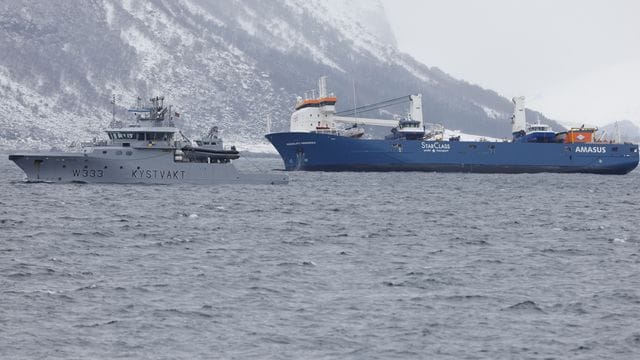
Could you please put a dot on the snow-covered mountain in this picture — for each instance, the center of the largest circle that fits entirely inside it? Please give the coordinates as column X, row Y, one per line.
column 626, row 129
column 237, row 64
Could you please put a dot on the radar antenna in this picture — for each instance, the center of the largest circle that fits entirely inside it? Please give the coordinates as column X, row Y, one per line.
column 113, row 110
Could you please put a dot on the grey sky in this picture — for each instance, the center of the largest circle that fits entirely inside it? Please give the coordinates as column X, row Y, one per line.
column 577, row 61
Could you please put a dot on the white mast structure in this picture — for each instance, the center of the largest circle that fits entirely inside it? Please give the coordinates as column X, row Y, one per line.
column 518, row 119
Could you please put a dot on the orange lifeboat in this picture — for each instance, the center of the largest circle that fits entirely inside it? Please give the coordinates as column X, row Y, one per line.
column 331, row 100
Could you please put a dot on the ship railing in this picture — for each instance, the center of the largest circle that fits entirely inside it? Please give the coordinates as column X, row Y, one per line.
column 87, row 144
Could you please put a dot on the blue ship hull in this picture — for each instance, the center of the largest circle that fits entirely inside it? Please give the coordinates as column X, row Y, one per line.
column 325, row 152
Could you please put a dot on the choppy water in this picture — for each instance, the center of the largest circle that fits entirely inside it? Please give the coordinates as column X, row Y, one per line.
column 334, row 265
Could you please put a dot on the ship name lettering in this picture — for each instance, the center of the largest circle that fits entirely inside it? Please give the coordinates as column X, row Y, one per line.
column 435, row 147
column 87, row 173
column 591, row 149
column 301, row 143
column 157, row 174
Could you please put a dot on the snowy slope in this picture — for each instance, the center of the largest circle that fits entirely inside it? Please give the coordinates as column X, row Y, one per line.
column 236, row 64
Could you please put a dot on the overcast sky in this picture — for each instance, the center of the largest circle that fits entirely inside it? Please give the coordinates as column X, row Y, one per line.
column 576, row 61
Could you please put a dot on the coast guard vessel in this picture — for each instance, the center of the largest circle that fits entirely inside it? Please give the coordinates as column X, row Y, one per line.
column 150, row 151
column 318, row 140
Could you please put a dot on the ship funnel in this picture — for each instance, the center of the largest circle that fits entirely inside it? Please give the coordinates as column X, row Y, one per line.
column 518, row 119
column 416, row 107
column 322, row 87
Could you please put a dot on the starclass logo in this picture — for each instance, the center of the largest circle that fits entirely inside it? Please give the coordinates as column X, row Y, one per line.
column 435, row 147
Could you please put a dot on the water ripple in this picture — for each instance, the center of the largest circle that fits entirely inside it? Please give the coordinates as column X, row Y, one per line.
column 367, row 265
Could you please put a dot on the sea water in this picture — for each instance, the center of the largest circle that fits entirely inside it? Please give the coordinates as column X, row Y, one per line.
column 333, row 265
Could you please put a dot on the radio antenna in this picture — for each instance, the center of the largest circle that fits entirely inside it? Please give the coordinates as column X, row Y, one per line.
column 113, row 109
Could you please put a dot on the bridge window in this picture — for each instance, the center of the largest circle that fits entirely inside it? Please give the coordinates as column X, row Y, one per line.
column 122, row 136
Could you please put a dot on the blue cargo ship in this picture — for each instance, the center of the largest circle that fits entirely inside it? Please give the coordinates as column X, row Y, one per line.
column 318, row 142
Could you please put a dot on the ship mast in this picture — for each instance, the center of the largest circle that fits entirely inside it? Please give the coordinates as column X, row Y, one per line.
column 113, row 109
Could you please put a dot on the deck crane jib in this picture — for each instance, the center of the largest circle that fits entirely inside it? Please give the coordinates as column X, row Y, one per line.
column 318, row 115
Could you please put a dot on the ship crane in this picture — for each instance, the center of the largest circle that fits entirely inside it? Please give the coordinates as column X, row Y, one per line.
column 351, row 116
column 319, row 114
